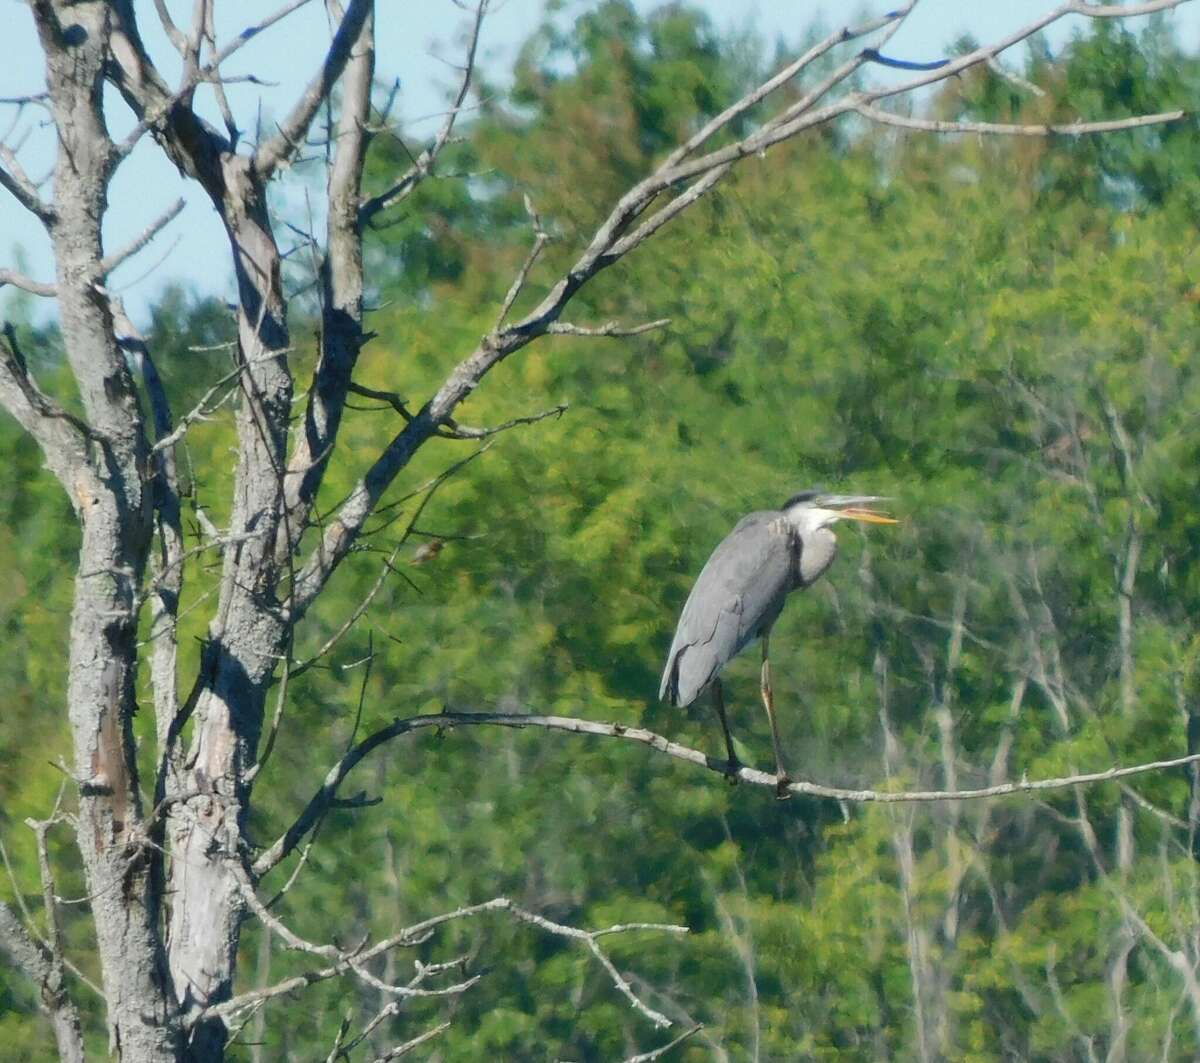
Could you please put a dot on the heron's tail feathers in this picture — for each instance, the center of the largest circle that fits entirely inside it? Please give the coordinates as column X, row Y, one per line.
column 668, row 690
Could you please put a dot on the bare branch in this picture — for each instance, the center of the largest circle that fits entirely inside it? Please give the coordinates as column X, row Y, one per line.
column 53, row 937
column 658, row 1053
column 610, row 328
column 395, row 401
column 202, row 410
column 785, row 75
column 138, row 67
column 991, row 51
column 455, row 430
column 291, row 939
column 998, row 68
column 1081, row 7
column 27, row 284
column 43, row 961
column 41, row 98
column 339, row 282
column 276, row 718
column 416, row 1042
column 106, row 265
column 35, row 961
column 589, row 937
column 539, row 242
column 167, row 584
column 292, row 130
column 218, row 83
column 424, row 970
column 111, row 262
column 62, row 437
column 17, row 181
column 348, row 965
column 22, row 949
column 350, row 621
column 419, row 932
column 660, row 217
column 1071, row 129
column 174, row 34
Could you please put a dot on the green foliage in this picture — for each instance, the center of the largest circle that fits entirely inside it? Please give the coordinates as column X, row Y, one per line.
column 999, row 334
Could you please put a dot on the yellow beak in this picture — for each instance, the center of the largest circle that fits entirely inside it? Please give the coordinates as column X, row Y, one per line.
column 868, row 516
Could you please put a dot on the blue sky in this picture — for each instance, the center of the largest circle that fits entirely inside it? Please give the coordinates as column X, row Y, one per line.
column 411, row 37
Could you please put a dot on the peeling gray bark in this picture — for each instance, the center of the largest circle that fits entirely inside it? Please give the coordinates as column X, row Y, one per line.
column 109, row 494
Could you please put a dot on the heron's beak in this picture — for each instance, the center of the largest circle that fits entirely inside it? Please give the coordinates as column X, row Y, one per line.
column 856, row 507
column 868, row 516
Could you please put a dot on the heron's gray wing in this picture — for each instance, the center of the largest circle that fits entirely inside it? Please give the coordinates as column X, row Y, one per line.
column 739, row 592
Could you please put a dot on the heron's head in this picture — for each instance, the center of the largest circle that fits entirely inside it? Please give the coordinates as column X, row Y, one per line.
column 810, row 510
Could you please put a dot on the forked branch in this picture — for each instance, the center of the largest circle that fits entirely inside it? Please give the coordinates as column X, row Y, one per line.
column 424, row 163
column 356, row 961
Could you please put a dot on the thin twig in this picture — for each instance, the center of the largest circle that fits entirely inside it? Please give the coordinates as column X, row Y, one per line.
column 454, row 430
column 1070, row 129
column 202, row 409
column 416, row 1042
column 352, row 619
column 540, row 239
column 998, row 68
column 111, row 262
column 424, row 164
column 609, row 328
column 658, row 1053
column 419, row 932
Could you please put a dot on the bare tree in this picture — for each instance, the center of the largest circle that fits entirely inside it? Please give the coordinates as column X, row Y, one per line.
column 171, row 881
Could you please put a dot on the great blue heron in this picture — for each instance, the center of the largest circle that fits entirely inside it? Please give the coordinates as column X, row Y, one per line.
column 740, row 592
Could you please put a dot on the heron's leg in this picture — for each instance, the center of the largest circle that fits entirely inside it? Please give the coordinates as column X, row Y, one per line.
column 768, row 696
column 718, row 698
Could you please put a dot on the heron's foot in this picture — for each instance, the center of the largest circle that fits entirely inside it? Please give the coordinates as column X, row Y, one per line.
column 732, row 767
column 783, row 784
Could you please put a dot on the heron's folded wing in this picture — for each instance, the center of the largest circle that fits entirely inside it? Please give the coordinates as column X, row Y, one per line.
column 740, row 589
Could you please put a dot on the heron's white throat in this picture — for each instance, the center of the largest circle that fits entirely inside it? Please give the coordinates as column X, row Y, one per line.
column 807, row 519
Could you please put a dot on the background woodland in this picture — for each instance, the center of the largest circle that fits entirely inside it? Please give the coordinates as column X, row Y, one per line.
column 1000, row 333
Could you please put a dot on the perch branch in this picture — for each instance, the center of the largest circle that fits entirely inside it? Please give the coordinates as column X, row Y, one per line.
column 325, row 796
